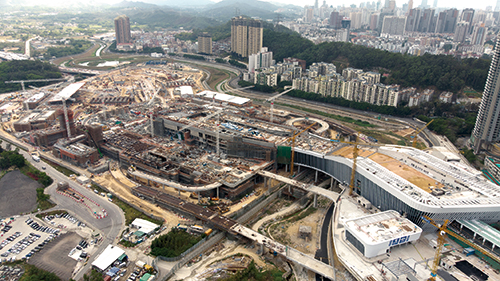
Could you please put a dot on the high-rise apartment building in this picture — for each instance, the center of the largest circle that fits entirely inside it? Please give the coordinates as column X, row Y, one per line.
column 468, row 16
column 122, row 30
column 262, row 59
column 205, row 43
column 335, row 20
column 487, row 128
column 446, row 21
column 461, row 32
column 479, row 34
column 413, row 20
column 394, row 25
column 246, row 36
column 427, row 21
column 373, row 21
column 410, row 5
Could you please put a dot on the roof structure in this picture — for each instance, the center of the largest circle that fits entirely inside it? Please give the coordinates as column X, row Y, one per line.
column 67, row 92
column 483, row 229
column 144, row 225
column 110, row 254
column 382, row 227
column 36, row 97
column 223, row 97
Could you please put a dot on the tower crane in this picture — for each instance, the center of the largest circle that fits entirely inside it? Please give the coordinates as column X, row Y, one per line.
column 443, row 230
column 292, row 139
column 66, row 120
column 414, row 144
column 35, row 80
column 355, row 153
column 271, row 99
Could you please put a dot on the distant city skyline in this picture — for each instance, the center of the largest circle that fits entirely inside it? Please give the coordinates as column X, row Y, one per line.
column 479, row 4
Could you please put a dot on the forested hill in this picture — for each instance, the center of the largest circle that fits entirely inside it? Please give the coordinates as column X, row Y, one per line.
column 25, row 70
column 446, row 73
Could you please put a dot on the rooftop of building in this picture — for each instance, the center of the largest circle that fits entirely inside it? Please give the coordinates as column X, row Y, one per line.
column 67, row 92
column 381, row 227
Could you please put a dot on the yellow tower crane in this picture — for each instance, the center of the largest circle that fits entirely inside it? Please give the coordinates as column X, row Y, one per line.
column 292, row 139
column 443, row 230
column 355, row 153
column 414, row 144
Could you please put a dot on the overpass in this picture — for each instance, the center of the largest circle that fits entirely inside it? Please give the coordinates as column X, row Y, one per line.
column 308, row 187
column 164, row 182
column 81, row 71
column 232, row 226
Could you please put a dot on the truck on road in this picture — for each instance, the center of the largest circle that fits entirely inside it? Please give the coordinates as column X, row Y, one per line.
column 35, row 158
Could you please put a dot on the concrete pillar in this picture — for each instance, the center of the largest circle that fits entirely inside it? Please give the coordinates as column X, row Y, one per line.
column 199, row 197
column 316, row 177
column 315, row 201
column 148, row 182
column 265, row 182
column 164, row 187
column 331, row 183
column 298, row 169
column 286, row 168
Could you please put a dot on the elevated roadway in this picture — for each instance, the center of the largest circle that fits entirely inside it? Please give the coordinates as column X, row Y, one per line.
column 331, row 195
column 232, row 226
column 175, row 185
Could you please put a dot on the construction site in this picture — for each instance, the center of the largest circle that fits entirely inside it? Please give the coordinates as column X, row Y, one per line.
column 154, row 136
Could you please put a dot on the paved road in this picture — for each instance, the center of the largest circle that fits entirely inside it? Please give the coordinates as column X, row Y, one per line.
column 110, row 226
column 322, row 252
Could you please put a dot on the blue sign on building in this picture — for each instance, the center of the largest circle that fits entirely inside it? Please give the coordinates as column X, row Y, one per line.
column 398, row 241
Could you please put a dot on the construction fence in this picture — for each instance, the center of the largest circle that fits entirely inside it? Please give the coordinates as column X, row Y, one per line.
column 125, row 201
column 197, row 251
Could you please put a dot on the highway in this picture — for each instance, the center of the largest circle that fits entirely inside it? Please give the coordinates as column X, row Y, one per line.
column 110, row 227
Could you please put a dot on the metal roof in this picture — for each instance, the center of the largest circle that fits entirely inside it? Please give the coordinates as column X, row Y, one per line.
column 67, row 92
column 486, row 231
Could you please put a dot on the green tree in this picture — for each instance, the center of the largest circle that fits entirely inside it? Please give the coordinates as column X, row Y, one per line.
column 94, row 276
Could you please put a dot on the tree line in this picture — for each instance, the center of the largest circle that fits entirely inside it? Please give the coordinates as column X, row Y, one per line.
column 26, row 70
column 451, row 120
column 444, row 72
column 72, row 47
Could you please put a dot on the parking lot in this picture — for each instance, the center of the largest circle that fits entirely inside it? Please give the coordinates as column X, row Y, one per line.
column 54, row 257
column 19, row 240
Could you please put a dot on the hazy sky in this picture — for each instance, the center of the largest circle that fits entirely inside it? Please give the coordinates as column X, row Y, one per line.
column 460, row 4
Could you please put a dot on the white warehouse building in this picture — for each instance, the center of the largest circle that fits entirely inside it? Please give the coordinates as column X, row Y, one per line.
column 376, row 234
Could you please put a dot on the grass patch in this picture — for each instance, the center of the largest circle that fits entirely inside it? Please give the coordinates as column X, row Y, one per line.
column 333, row 116
column 32, row 272
column 36, row 175
column 130, row 212
column 43, row 200
column 51, row 213
column 65, row 171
